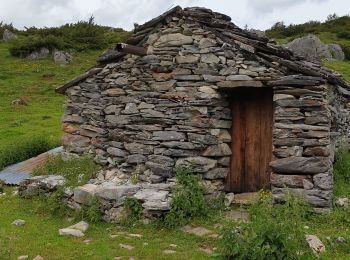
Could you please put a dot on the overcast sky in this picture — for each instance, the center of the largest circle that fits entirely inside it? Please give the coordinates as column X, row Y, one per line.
column 260, row 14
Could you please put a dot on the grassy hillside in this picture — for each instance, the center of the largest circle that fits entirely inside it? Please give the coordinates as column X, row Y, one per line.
column 334, row 30
column 35, row 82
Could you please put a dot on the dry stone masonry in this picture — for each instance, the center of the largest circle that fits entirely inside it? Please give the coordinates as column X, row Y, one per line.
column 141, row 117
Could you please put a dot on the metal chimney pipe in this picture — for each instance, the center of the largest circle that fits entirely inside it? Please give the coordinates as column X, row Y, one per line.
column 131, row 49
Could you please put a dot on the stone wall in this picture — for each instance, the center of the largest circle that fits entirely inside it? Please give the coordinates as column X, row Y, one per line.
column 302, row 144
column 151, row 114
column 142, row 117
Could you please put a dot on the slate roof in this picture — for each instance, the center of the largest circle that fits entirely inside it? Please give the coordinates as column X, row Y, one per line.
column 265, row 51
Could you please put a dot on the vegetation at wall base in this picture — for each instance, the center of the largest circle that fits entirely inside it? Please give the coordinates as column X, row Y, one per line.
column 77, row 171
column 188, row 199
column 132, row 212
column 272, row 233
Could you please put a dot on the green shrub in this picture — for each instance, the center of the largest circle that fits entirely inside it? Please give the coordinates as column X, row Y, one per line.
column 132, row 211
column 188, row 201
column 343, row 35
column 272, row 233
column 24, row 149
column 23, row 46
column 54, row 204
column 80, row 36
column 91, row 212
column 8, row 26
column 76, row 171
column 346, row 50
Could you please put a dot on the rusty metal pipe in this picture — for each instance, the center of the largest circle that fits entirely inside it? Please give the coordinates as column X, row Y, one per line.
column 131, row 49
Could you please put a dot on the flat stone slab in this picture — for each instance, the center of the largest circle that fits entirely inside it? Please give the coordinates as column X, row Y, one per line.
column 247, row 198
column 239, row 215
column 198, row 231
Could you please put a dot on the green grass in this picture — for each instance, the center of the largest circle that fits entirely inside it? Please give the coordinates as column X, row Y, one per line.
column 77, row 171
column 37, row 81
column 21, row 150
column 39, row 236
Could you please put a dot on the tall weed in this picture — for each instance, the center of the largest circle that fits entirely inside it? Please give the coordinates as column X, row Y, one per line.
column 188, row 201
column 272, row 233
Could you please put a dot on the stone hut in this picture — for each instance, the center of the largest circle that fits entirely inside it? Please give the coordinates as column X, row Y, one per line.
column 191, row 88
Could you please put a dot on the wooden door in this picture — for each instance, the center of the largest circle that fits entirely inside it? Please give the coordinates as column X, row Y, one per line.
column 251, row 131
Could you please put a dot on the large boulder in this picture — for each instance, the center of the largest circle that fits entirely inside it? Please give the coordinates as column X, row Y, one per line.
column 62, row 57
column 313, row 49
column 43, row 53
column 8, row 35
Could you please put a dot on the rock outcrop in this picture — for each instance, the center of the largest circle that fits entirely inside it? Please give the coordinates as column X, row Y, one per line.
column 62, row 57
column 8, row 36
column 313, row 49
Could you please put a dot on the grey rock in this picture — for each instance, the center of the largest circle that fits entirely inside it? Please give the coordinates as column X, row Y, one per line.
column 117, row 152
column 180, row 145
column 138, row 148
column 18, row 222
column 292, row 181
column 217, row 173
column 70, row 232
column 238, row 77
column 82, row 226
column 323, row 181
column 313, row 49
column 156, row 205
column 53, row 181
column 217, row 150
column 160, row 169
column 213, row 78
column 342, row 202
column 315, row 244
column 187, row 77
column 114, row 192
column 202, row 139
column 121, row 81
column 341, row 240
column 175, row 39
column 336, row 52
column 163, row 86
column 62, row 57
column 151, row 194
column 198, row 164
column 168, row 136
column 115, row 92
column 240, row 83
column 206, row 43
column 136, row 159
column 8, row 35
column 130, row 108
column 209, row 58
column 43, row 53
column 83, row 194
column 187, row 59
column 301, row 165
column 161, row 159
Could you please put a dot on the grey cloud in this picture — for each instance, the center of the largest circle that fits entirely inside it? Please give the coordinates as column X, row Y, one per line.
column 268, row 6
